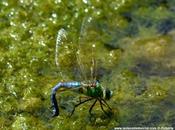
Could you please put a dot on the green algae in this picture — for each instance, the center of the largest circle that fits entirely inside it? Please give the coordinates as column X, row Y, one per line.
column 133, row 49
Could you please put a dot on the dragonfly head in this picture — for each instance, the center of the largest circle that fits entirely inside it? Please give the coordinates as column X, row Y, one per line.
column 108, row 94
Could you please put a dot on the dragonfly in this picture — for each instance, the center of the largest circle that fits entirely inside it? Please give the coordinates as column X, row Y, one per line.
column 91, row 89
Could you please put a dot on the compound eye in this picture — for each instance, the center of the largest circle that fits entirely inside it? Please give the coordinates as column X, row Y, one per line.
column 108, row 94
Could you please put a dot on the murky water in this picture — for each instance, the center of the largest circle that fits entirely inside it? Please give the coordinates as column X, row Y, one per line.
column 131, row 43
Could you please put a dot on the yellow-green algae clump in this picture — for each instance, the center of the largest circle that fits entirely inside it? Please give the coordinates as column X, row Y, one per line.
column 131, row 40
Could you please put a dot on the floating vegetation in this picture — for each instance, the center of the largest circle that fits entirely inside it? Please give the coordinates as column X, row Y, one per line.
column 134, row 49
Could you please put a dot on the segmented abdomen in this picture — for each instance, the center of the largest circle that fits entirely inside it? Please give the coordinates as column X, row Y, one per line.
column 73, row 84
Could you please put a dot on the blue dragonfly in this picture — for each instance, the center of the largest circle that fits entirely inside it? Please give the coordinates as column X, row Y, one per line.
column 87, row 61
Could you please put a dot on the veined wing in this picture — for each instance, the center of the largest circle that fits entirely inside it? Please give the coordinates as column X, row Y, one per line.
column 86, row 49
column 91, row 54
column 65, row 58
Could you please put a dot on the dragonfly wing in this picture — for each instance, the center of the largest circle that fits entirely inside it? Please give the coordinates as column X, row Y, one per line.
column 87, row 46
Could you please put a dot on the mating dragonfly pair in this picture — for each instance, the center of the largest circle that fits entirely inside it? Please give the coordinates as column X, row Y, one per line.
column 92, row 89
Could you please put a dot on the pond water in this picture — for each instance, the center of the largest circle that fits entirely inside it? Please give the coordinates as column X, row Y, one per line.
column 131, row 42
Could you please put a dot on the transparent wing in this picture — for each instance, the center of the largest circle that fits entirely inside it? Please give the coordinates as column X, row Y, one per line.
column 88, row 55
column 95, row 56
column 65, row 58
column 88, row 45
column 84, row 52
column 60, row 39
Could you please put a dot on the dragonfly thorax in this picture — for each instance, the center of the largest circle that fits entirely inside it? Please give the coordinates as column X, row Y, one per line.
column 94, row 89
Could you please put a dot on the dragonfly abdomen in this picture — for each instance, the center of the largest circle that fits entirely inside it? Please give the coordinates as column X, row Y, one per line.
column 53, row 94
column 73, row 84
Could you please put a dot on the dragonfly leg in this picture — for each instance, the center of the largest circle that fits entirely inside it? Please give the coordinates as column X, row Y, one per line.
column 81, row 97
column 92, row 107
column 106, row 104
column 79, row 104
column 101, row 105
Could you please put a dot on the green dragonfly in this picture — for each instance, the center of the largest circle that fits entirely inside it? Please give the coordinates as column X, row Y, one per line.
column 88, row 62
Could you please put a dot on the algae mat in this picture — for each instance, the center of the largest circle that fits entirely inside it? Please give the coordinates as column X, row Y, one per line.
column 135, row 49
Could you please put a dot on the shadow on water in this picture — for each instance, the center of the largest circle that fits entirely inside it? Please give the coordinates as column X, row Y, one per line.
column 166, row 26
column 148, row 68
